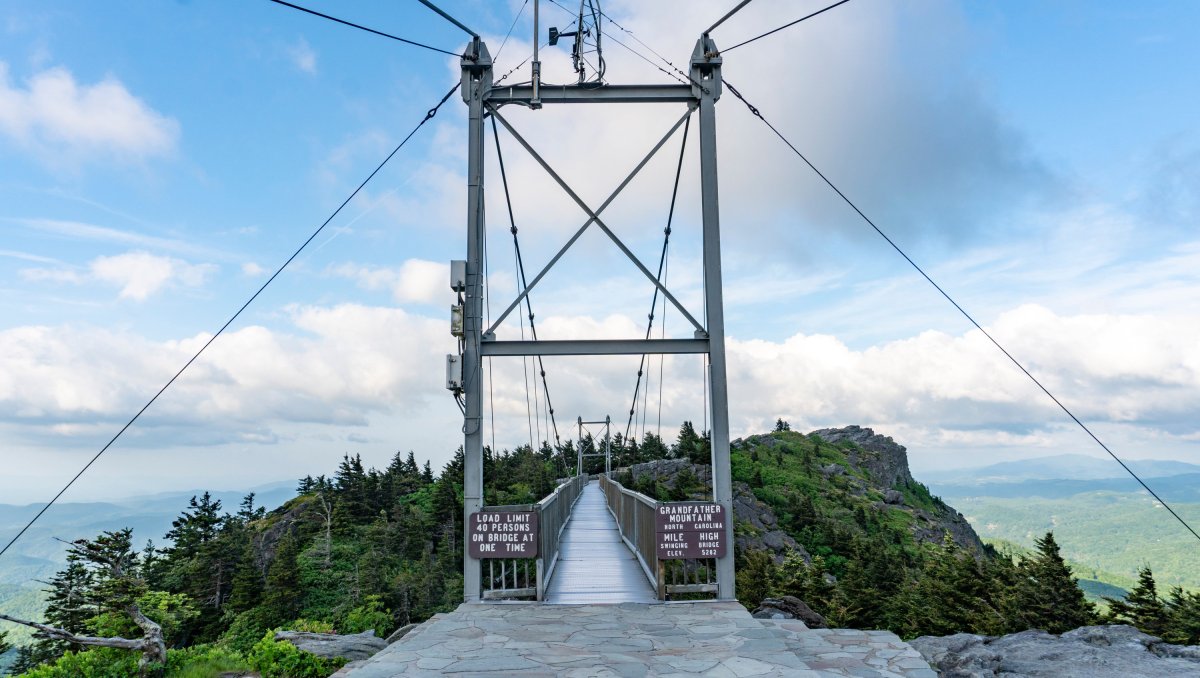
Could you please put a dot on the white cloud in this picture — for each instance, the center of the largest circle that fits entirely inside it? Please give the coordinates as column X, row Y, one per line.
column 252, row 269
column 138, row 275
column 415, row 281
column 53, row 115
column 303, row 57
column 335, row 366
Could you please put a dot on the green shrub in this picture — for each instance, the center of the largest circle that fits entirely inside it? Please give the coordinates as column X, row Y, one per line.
column 204, row 661
column 101, row 662
column 244, row 631
column 276, row 659
column 310, row 626
column 370, row 616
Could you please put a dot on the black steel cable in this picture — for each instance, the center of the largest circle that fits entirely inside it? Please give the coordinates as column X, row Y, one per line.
column 787, row 25
column 428, row 115
column 961, row 310
column 449, row 18
column 510, row 30
column 521, row 271
column 364, row 28
column 662, row 258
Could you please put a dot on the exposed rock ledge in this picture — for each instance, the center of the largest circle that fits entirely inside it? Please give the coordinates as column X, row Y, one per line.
column 1087, row 652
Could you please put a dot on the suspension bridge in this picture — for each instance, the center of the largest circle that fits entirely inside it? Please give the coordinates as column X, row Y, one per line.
column 619, row 582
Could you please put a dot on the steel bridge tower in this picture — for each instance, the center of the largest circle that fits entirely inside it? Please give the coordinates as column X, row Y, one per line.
column 699, row 95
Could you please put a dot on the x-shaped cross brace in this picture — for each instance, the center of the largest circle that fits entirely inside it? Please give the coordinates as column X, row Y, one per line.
column 593, row 217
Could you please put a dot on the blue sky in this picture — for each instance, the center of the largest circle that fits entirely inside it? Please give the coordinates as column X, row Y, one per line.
column 1041, row 160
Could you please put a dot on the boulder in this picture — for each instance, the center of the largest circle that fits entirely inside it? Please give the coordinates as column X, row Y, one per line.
column 1087, row 652
column 329, row 645
column 789, row 607
column 893, row 497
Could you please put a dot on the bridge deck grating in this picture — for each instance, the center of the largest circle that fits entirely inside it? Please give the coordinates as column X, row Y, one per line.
column 594, row 565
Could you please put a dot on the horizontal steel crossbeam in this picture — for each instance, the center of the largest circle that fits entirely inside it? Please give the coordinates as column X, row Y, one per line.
column 608, row 94
column 593, row 347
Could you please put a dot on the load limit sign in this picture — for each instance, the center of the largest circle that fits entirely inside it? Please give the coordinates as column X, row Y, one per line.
column 690, row 530
column 503, row 534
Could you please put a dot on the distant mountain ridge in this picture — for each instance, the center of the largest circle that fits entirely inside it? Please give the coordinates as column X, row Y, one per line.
column 1058, row 467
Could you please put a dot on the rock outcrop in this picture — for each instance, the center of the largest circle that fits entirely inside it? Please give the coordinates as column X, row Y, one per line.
column 789, row 607
column 886, row 463
column 330, row 645
column 1087, row 652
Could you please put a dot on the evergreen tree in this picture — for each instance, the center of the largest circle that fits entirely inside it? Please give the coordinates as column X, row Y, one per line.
column 281, row 594
column 5, row 646
column 69, row 603
column 781, row 425
column 1141, row 607
column 195, row 526
column 652, row 448
column 1047, row 594
column 1183, row 617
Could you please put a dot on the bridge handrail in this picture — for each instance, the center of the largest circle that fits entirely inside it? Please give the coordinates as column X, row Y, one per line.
column 553, row 513
column 635, row 513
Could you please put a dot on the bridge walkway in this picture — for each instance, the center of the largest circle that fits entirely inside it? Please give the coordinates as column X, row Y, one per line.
column 594, row 565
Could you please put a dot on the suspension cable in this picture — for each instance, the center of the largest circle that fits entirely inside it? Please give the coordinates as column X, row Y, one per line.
column 428, row 116
column 364, row 28
column 787, row 25
column 758, row 114
column 521, row 273
column 662, row 258
column 510, row 30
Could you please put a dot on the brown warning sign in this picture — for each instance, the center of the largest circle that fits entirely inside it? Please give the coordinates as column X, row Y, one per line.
column 503, row 534
column 690, row 530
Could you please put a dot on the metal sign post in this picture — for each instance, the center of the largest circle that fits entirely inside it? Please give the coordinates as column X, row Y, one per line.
column 700, row 94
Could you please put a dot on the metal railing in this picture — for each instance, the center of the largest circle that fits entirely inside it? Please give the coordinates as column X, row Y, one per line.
column 511, row 578
column 635, row 514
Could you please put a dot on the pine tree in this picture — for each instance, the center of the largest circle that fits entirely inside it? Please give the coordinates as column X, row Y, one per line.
column 196, row 524
column 781, row 425
column 1183, row 617
column 281, row 595
column 5, row 646
column 1048, row 596
column 1142, row 607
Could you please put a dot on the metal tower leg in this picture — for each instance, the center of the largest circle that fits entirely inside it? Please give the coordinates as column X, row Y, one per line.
column 706, row 76
column 476, row 81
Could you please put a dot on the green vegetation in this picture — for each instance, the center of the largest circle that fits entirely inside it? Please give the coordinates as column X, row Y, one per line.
column 1108, row 535
column 364, row 550
column 376, row 549
column 1175, row 618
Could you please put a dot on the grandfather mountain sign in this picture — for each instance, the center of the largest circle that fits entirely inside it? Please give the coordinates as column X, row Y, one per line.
column 690, row 530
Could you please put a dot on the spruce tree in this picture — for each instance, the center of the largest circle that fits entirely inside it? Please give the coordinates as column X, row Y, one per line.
column 1183, row 617
column 5, row 646
column 1048, row 596
column 1142, row 607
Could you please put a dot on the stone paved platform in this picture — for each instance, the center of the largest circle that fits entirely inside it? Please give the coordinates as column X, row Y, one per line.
column 635, row 640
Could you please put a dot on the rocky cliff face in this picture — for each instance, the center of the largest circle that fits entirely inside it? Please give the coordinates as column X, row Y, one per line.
column 886, row 465
column 1088, row 652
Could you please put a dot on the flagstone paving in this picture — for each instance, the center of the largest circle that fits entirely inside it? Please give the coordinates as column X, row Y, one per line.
column 631, row 640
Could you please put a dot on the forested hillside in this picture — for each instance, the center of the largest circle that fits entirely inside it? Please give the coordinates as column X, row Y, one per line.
column 376, row 549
